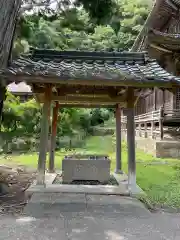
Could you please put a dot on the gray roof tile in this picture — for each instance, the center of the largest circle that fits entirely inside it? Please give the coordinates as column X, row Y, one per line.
column 89, row 65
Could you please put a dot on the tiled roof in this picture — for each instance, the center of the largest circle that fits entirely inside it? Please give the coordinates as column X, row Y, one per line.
column 164, row 17
column 166, row 40
column 72, row 65
column 177, row 2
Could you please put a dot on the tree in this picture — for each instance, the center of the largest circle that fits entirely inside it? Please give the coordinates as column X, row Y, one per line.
column 75, row 29
column 9, row 11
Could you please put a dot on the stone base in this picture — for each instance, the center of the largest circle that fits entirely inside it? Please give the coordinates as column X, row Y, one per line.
column 168, row 149
column 122, row 189
column 73, row 169
column 158, row 148
column 83, row 189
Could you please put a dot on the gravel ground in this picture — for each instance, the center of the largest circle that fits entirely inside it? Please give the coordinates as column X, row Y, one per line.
column 112, row 181
column 18, row 181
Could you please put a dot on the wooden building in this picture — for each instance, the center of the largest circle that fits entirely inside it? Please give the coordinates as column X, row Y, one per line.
column 21, row 90
column 88, row 79
column 160, row 37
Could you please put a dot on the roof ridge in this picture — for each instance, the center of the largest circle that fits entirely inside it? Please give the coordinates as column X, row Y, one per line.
column 38, row 54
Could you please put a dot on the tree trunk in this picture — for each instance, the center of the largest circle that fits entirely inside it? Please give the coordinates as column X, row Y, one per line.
column 9, row 10
column 2, row 98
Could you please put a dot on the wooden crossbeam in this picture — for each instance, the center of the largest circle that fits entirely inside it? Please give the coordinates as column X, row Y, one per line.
column 81, row 105
column 97, row 96
column 160, row 48
column 86, row 99
column 63, row 90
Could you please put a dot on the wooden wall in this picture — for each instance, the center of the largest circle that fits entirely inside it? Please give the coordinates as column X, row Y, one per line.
column 157, row 99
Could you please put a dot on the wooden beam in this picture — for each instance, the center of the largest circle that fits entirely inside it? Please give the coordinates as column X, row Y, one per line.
column 160, row 48
column 63, row 90
column 161, row 123
column 136, row 98
column 44, row 137
column 90, row 91
column 83, row 91
column 53, row 137
column 131, row 141
column 86, row 106
column 92, row 96
column 83, row 99
column 86, row 100
column 155, row 98
column 122, row 81
column 118, row 139
column 97, row 104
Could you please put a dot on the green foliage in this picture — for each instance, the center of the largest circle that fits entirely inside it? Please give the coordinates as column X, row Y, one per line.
column 21, row 121
column 100, row 10
column 99, row 116
column 74, row 28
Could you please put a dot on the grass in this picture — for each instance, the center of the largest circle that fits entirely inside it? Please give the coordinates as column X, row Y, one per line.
column 161, row 182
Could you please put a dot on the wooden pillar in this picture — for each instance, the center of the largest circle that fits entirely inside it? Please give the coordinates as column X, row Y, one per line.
column 118, row 139
column 53, row 137
column 163, row 95
column 131, row 141
column 145, row 130
column 44, row 136
column 161, row 123
column 139, row 129
column 152, row 129
column 155, row 98
column 2, row 98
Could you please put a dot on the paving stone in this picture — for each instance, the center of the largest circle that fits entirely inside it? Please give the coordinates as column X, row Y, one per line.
column 57, row 198
column 76, row 189
column 116, row 204
column 100, row 217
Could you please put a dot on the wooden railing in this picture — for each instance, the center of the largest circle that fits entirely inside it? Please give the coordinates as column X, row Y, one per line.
column 172, row 114
column 151, row 123
column 148, row 124
column 146, row 117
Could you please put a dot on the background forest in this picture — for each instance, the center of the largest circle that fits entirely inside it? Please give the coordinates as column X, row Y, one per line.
column 71, row 29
